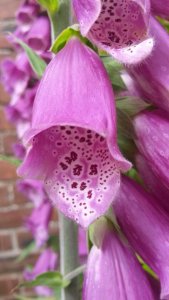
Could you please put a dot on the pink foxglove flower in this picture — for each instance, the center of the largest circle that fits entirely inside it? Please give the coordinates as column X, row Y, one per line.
column 113, row 272
column 118, row 27
column 82, row 244
column 38, row 222
column 20, row 72
column 33, row 190
column 160, row 8
column 38, row 37
column 47, row 261
column 153, row 182
column 146, row 227
column 27, row 12
column 152, row 139
column 72, row 142
column 152, row 75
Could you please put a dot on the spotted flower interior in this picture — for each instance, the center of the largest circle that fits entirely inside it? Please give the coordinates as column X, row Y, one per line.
column 121, row 23
column 83, row 176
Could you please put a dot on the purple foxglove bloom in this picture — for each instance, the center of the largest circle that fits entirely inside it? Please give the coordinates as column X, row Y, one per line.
column 33, row 190
column 113, row 272
column 38, row 37
column 20, row 72
column 21, row 109
column 47, row 261
column 152, row 139
column 82, row 244
column 73, row 136
column 152, row 75
column 118, row 27
column 153, row 183
column 38, row 222
column 19, row 150
column 27, row 12
column 146, row 227
column 21, row 127
column 160, row 8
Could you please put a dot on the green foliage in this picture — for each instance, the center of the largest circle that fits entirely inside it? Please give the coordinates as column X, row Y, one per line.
column 12, row 160
column 51, row 6
column 131, row 106
column 51, row 279
column 65, row 35
column 113, row 69
column 27, row 251
column 37, row 63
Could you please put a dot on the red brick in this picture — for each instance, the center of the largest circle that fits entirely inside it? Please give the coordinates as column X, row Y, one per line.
column 5, row 242
column 9, row 265
column 4, row 97
column 4, row 42
column 7, row 285
column 8, row 8
column 4, row 196
column 19, row 198
column 4, row 124
column 24, row 238
column 8, row 141
column 14, row 218
column 7, row 170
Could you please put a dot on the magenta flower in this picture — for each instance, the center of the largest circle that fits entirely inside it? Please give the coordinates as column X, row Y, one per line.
column 27, row 12
column 152, row 139
column 160, row 8
column 20, row 72
column 47, row 261
column 21, row 109
column 33, row 190
column 118, row 27
column 113, row 272
column 38, row 37
column 152, row 75
column 82, row 244
column 19, row 150
column 146, row 227
column 153, row 182
column 73, row 136
column 38, row 222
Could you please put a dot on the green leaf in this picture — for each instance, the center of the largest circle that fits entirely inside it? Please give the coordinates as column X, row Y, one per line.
column 51, row 6
column 50, row 279
column 113, row 69
column 97, row 231
column 146, row 267
column 11, row 159
column 37, row 63
column 27, row 251
column 131, row 105
column 63, row 37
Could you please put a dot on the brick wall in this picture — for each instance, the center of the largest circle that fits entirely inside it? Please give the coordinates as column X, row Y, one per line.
column 13, row 206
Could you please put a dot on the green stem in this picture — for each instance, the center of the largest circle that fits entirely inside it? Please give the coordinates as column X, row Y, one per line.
column 67, row 228
column 68, row 256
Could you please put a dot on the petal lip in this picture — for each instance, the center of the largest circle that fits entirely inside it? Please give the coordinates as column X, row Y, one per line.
column 87, row 12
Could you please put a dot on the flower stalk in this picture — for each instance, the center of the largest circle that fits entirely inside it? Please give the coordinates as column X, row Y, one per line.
column 68, row 229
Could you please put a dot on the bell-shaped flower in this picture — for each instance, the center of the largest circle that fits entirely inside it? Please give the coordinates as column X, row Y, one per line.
column 152, row 139
column 33, row 190
column 20, row 107
column 160, row 8
column 146, row 227
column 82, row 244
column 38, row 222
column 153, row 182
column 113, row 272
column 152, row 75
column 72, row 142
column 19, row 150
column 38, row 37
column 16, row 74
column 46, row 262
column 118, row 27
column 26, row 13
